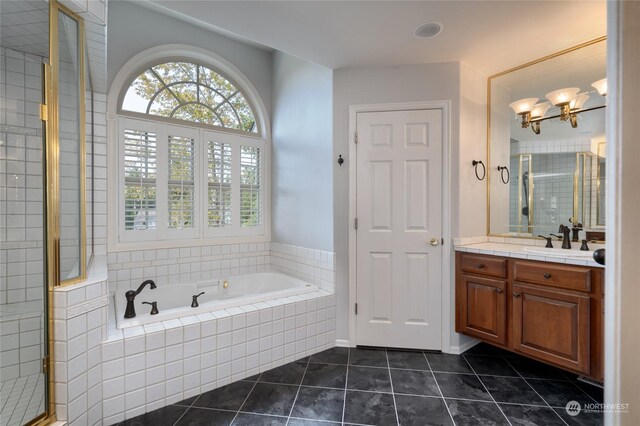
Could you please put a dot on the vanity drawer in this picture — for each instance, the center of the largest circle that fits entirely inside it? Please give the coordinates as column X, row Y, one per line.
column 491, row 266
column 563, row 276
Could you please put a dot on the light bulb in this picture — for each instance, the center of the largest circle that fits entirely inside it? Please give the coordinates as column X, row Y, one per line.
column 539, row 110
column 579, row 101
column 600, row 86
column 562, row 96
column 523, row 106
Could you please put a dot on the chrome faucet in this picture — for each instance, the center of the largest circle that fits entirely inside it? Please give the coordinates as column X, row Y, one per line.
column 566, row 240
column 130, row 311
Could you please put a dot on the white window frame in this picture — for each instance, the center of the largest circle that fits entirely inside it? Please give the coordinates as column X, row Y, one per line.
column 201, row 234
column 235, row 141
column 121, row 81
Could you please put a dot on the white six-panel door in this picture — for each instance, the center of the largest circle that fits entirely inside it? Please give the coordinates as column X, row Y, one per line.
column 399, row 213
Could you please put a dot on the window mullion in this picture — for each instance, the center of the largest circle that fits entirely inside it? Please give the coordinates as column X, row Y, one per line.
column 203, row 184
column 163, row 181
column 235, row 188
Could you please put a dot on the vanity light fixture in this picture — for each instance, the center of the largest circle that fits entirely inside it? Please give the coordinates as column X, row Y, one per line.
column 600, row 86
column 568, row 100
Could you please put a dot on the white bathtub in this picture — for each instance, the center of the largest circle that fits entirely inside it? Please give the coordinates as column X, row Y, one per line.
column 174, row 300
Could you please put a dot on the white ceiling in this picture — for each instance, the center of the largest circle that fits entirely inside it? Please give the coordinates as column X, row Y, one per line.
column 487, row 35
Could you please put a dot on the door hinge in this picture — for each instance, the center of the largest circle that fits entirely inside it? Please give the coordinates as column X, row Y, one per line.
column 356, row 309
column 45, row 365
column 44, row 114
column 355, row 223
column 355, row 137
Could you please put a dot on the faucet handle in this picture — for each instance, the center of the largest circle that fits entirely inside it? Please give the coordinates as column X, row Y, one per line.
column 549, row 245
column 154, row 307
column 194, row 302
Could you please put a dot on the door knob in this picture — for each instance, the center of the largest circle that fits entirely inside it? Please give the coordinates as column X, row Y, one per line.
column 434, row 241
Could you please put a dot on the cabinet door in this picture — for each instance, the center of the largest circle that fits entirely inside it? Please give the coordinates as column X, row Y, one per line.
column 482, row 308
column 552, row 326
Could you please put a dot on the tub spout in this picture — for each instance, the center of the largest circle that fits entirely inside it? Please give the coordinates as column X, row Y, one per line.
column 130, row 311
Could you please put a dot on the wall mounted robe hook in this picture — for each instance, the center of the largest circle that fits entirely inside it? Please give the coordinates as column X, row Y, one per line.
column 340, row 160
column 475, row 164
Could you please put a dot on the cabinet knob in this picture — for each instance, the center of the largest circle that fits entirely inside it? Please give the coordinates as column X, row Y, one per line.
column 516, row 295
column 480, row 265
column 499, row 290
column 547, row 275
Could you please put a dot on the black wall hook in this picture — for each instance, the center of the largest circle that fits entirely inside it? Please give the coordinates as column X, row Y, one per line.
column 503, row 169
column 475, row 164
column 340, row 160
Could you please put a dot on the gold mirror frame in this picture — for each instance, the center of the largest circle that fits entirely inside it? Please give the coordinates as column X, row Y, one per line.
column 489, row 79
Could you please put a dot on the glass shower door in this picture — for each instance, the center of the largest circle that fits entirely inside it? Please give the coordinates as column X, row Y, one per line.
column 24, row 47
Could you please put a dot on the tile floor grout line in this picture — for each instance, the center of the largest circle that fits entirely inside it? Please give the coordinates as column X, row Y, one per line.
column 585, row 392
column 532, row 388
column 245, row 400
column 444, row 401
column 346, row 381
column 189, row 408
column 298, row 391
column 395, row 406
column 485, row 388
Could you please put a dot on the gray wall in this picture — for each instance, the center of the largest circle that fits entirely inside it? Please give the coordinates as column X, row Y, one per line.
column 302, row 204
column 410, row 83
column 133, row 29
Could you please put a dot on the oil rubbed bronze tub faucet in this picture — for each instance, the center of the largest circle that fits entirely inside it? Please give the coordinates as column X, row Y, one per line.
column 130, row 311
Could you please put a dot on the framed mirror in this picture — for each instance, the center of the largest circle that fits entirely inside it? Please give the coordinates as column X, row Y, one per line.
column 546, row 139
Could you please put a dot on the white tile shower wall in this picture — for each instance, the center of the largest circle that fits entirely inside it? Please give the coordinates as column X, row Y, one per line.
column 552, row 195
column 99, row 178
column 127, row 269
column 314, row 266
column 21, row 337
column 582, row 144
column 21, row 231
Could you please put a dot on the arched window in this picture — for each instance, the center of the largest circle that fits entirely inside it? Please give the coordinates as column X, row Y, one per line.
column 190, row 92
column 192, row 151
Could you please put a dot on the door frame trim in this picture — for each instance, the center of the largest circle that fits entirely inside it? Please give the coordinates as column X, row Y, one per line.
column 446, row 293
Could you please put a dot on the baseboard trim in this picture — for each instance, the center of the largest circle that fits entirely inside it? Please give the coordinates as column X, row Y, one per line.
column 343, row 343
column 457, row 350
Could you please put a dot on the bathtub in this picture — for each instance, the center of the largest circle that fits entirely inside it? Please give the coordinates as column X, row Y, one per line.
column 174, row 300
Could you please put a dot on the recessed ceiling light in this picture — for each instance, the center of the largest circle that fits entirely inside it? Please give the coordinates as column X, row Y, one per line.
column 428, row 30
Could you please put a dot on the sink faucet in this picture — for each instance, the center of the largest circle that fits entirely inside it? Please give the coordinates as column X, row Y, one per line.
column 566, row 232
column 130, row 311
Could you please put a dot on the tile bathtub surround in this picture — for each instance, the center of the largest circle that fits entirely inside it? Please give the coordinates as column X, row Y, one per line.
column 148, row 367
column 314, row 266
column 80, row 327
column 388, row 387
column 127, row 269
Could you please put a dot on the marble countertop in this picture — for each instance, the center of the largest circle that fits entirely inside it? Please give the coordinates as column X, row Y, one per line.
column 533, row 252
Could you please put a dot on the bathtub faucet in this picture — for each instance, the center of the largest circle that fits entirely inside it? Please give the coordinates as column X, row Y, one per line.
column 130, row 311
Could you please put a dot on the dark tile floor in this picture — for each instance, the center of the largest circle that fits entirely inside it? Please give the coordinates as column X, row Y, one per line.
column 365, row 386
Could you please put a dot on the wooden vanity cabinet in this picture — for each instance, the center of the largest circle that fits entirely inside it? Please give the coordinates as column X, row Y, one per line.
column 548, row 311
column 483, row 308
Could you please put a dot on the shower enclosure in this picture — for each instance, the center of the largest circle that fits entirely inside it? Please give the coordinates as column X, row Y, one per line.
column 547, row 190
column 42, row 188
